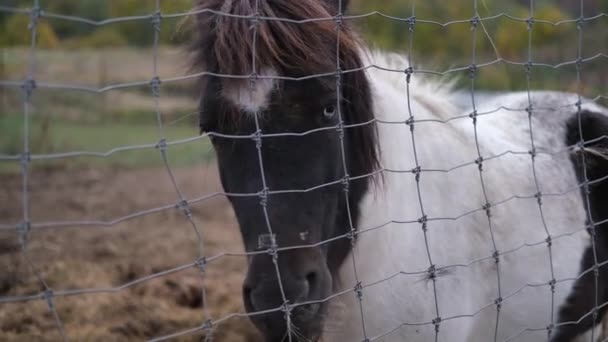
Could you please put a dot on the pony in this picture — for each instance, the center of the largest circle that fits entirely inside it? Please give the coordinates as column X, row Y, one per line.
column 372, row 207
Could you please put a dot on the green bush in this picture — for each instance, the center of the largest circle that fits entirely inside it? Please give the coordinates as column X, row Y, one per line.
column 16, row 32
column 104, row 37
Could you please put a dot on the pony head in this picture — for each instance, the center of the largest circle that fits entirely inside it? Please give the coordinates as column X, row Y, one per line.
column 288, row 108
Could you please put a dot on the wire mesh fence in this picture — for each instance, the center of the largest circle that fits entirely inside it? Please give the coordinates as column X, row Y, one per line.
column 183, row 204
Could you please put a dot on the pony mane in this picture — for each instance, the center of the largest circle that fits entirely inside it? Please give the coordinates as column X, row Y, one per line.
column 226, row 42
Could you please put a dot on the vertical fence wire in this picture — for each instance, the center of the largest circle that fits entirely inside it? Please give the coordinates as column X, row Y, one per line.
column 182, row 204
column 533, row 155
column 24, row 228
column 480, row 160
column 586, row 191
column 417, row 171
column 358, row 288
column 258, row 135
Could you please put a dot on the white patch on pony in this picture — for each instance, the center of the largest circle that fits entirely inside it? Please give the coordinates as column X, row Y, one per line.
column 251, row 97
column 392, row 263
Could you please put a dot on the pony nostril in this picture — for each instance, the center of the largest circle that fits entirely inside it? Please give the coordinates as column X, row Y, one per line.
column 247, row 298
column 311, row 280
column 311, row 277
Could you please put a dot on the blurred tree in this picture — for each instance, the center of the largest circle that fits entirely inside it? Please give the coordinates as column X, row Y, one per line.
column 137, row 32
column 104, row 37
column 435, row 45
column 16, row 32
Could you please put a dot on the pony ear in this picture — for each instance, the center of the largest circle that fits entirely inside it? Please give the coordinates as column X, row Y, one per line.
column 335, row 5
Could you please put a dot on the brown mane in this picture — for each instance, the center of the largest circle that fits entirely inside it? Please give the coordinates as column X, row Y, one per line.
column 225, row 44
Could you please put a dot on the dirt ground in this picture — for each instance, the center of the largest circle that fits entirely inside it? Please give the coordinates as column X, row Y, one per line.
column 94, row 257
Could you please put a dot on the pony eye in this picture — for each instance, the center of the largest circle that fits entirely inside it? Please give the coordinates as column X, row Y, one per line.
column 329, row 111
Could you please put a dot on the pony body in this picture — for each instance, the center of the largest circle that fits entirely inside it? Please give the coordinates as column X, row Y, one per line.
column 470, row 224
column 460, row 245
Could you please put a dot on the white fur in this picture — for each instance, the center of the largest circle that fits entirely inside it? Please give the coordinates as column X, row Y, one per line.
column 384, row 252
column 250, row 97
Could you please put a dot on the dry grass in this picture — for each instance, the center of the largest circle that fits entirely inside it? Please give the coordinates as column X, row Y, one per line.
column 97, row 69
column 95, row 257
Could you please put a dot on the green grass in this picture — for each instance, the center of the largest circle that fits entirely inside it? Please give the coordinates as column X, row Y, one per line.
column 69, row 136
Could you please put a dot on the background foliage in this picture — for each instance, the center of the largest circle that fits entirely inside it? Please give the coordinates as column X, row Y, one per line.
column 76, row 53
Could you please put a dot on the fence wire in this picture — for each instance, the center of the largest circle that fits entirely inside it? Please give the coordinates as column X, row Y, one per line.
column 183, row 204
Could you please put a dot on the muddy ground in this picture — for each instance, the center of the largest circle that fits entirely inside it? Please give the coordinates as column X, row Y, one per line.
column 98, row 257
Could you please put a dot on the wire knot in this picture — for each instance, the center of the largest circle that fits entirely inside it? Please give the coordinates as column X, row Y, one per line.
column 479, row 162
column 345, row 181
column 417, row 171
column 28, row 87
column 25, row 158
column 257, row 137
column 184, row 207
column 412, row 23
column 48, row 296
column 590, row 227
column 474, row 22
column 201, row 264
column 552, row 283
column 472, row 71
column 432, row 272
column 436, row 321
column 207, row 325
column 539, row 198
column 487, row 208
column 549, row 242
column 156, row 19
column 263, row 197
column 580, row 21
column 339, row 19
column 286, row 308
column 338, row 74
column 528, row 68
column 162, row 145
column 23, row 230
column 408, row 73
column 498, row 303
column 496, row 257
column 340, row 129
column 359, row 290
column 473, row 115
column 423, row 222
column 530, row 23
column 254, row 20
column 410, row 122
column 155, row 85
column 269, row 242
column 35, row 14
column 253, row 79
column 579, row 63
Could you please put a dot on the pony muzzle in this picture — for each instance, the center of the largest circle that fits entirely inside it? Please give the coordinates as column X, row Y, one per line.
column 295, row 286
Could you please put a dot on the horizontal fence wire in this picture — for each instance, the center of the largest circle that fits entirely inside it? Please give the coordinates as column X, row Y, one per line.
column 184, row 205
